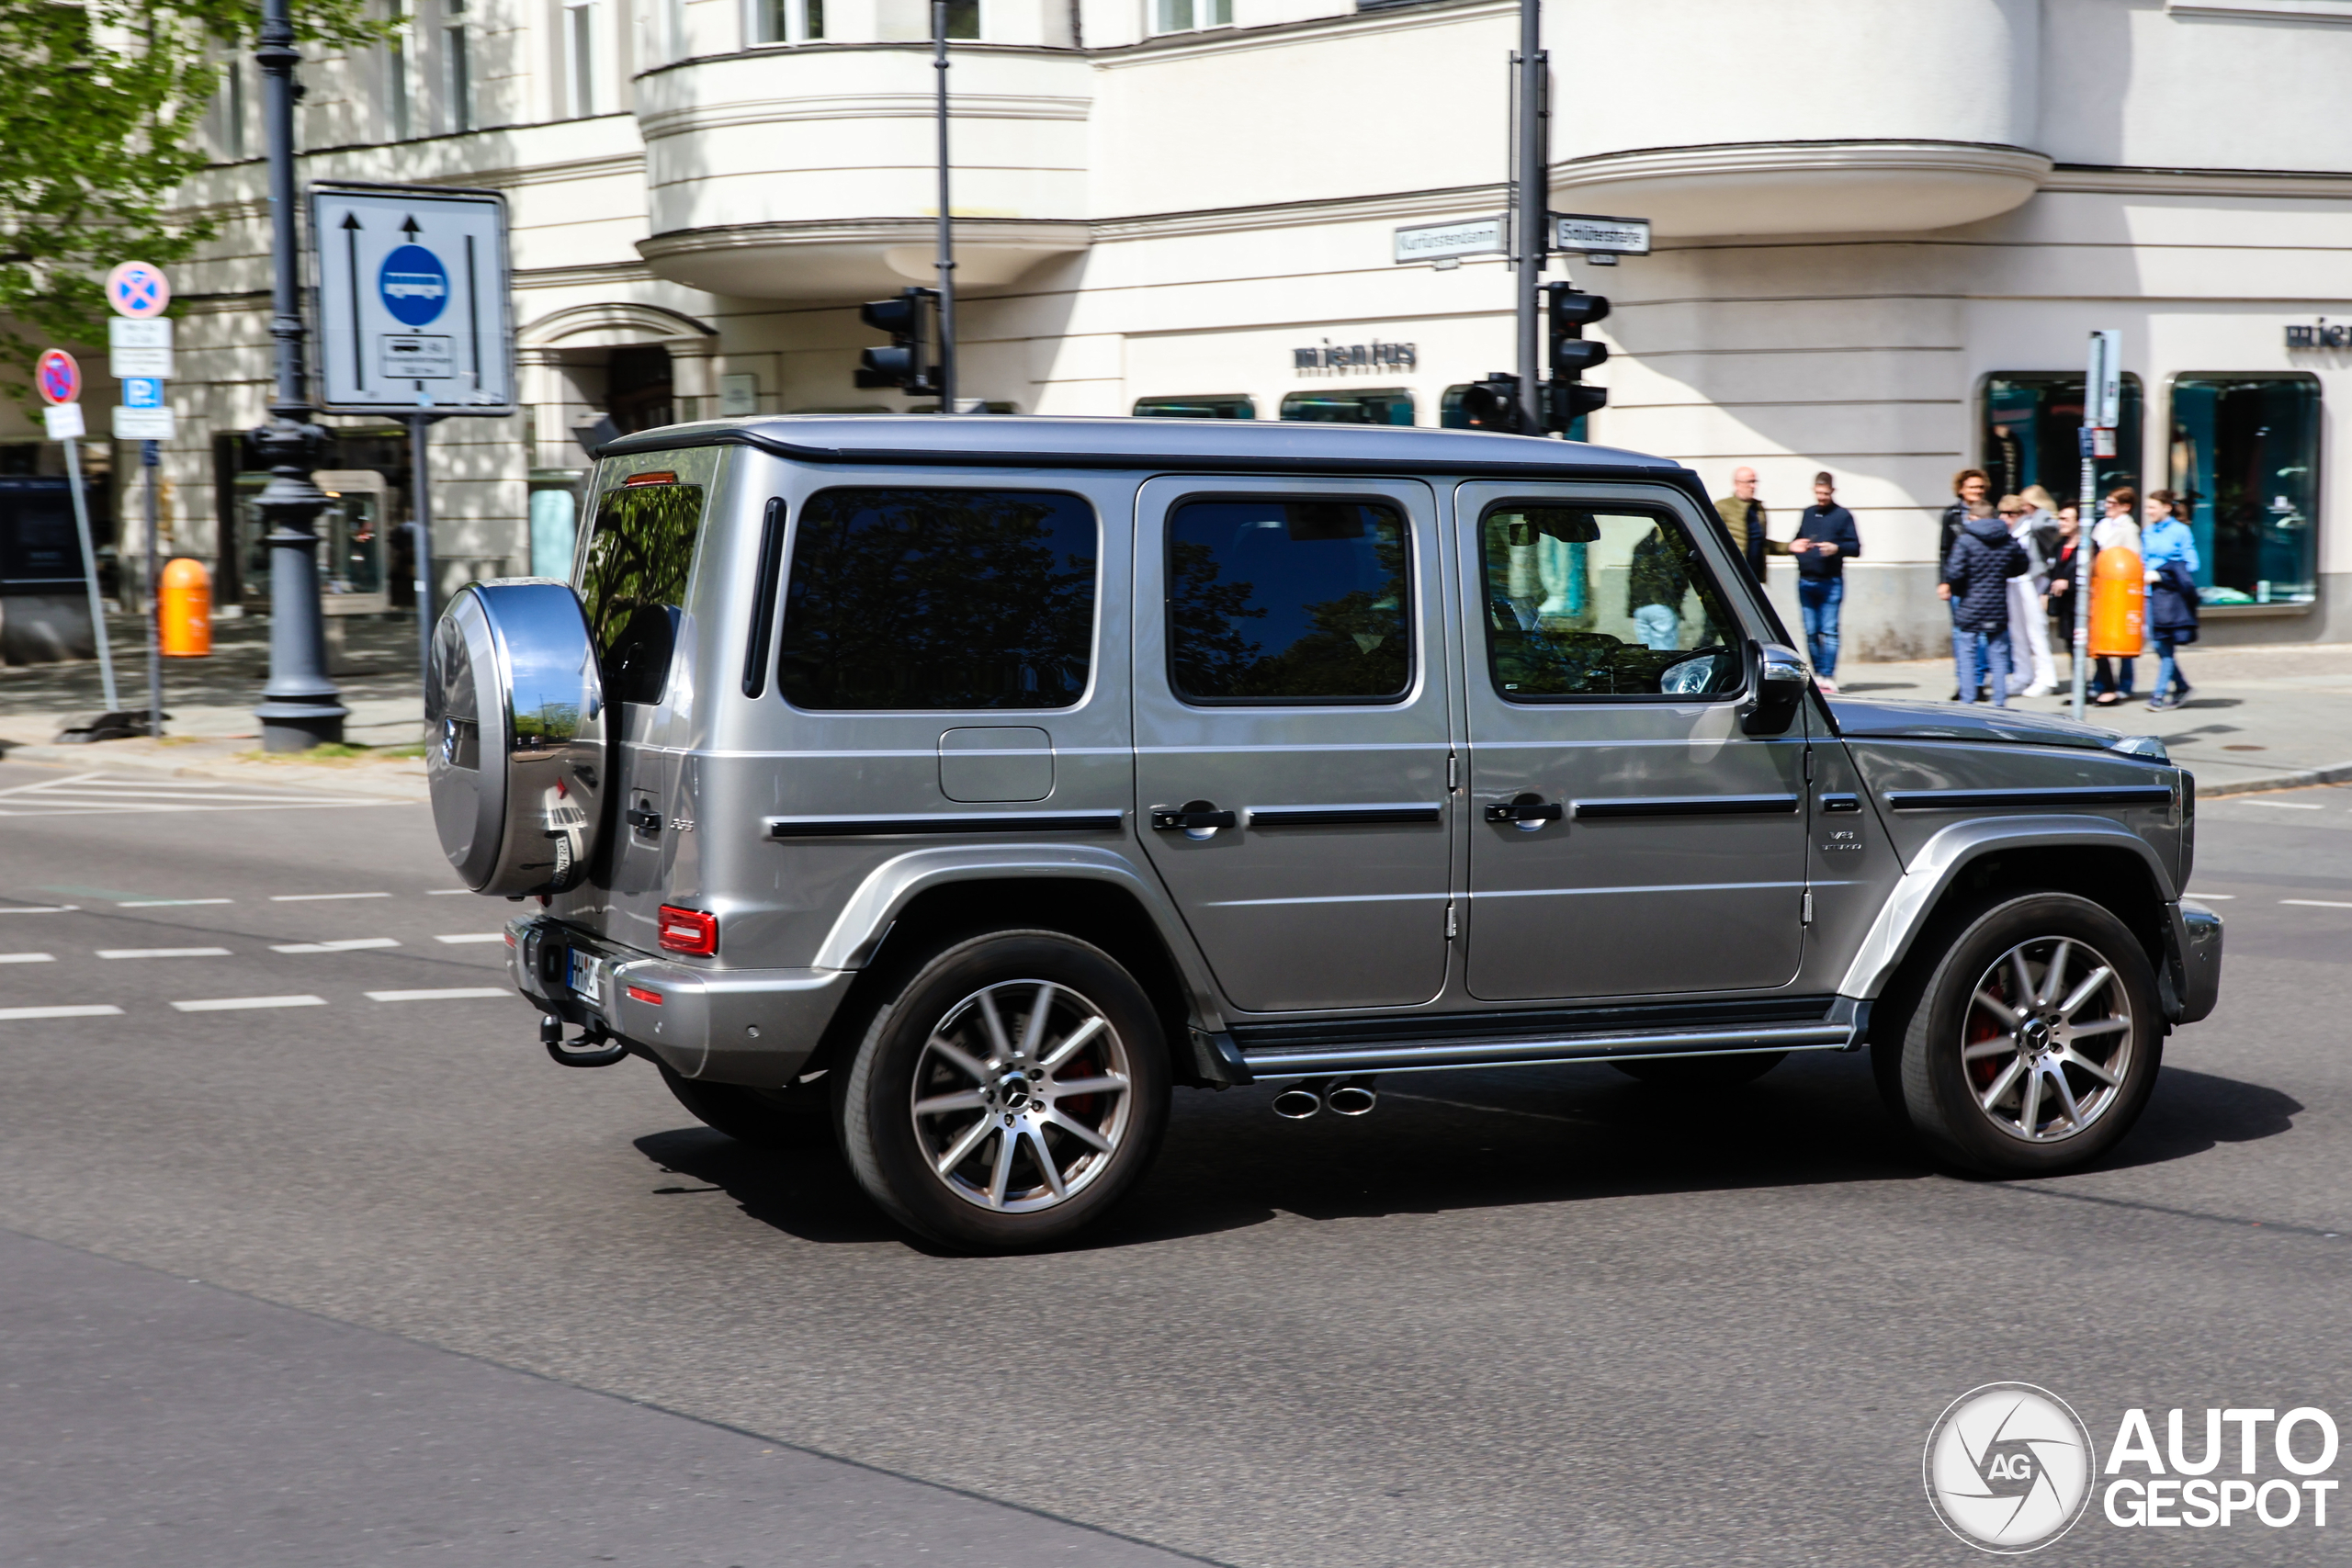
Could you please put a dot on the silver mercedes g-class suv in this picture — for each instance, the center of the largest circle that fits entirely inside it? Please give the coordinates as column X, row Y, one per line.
column 974, row 782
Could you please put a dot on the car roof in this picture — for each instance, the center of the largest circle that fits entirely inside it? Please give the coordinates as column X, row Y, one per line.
column 1221, row 444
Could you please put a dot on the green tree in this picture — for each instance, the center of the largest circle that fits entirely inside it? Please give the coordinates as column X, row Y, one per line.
column 99, row 106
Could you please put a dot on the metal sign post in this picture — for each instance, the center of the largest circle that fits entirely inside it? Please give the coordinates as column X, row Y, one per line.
column 946, row 262
column 60, row 380
column 420, row 525
column 1531, row 201
column 2102, row 411
column 151, row 456
column 138, row 294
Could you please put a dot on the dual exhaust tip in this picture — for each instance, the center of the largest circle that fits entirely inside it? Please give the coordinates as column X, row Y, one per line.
column 1340, row 1096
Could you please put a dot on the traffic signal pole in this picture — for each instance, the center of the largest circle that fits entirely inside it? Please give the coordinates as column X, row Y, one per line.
column 1530, row 207
column 947, row 225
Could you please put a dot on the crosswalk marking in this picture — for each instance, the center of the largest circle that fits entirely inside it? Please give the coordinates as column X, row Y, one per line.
column 93, row 1010
column 348, row 944
column 234, row 1004
column 97, row 793
column 450, row 994
column 163, row 953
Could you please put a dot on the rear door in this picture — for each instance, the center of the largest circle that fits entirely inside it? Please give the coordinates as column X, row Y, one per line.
column 1291, row 733
column 1626, row 838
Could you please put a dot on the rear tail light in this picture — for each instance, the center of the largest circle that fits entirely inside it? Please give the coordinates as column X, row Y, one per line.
column 689, row 931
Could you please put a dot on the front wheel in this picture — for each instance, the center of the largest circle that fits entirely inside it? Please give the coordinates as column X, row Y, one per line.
column 1013, row 1090
column 2035, row 1044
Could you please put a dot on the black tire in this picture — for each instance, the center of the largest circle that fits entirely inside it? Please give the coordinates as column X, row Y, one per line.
column 987, row 1200
column 1703, row 1075
column 763, row 1118
column 1958, row 1051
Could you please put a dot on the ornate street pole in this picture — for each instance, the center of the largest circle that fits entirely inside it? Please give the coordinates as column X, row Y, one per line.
column 301, row 707
column 1531, row 207
column 947, row 227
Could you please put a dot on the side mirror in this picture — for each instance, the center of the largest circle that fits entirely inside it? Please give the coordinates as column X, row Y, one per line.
column 1781, row 682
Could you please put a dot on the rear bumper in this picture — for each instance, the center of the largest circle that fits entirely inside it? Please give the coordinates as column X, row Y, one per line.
column 747, row 1026
column 2192, row 979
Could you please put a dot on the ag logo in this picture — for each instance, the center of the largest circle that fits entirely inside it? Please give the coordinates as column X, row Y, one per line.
column 2008, row 1467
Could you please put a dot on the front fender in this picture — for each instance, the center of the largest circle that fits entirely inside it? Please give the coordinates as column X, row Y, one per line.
column 1950, row 852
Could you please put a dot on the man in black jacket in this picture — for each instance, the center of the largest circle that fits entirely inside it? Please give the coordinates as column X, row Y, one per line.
column 1976, row 573
column 1826, row 539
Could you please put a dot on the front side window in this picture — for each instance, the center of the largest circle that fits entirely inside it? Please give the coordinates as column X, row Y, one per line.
column 1236, row 406
column 939, row 599
column 1289, row 601
column 1390, row 406
column 2246, row 453
column 633, row 573
column 1596, row 602
column 2030, row 422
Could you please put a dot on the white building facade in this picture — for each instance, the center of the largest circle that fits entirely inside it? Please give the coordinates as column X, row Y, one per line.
column 1883, row 231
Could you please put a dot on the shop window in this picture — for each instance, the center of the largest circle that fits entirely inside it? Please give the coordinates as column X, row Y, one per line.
column 1394, row 406
column 1189, row 16
column 2030, row 434
column 1195, row 407
column 789, row 21
column 2246, row 453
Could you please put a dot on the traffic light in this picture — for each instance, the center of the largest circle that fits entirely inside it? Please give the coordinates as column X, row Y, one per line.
column 1493, row 403
column 905, row 363
column 1565, row 399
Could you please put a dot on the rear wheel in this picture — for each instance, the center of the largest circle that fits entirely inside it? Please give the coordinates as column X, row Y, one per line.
column 763, row 1118
column 1011, row 1091
column 1703, row 1074
column 2036, row 1040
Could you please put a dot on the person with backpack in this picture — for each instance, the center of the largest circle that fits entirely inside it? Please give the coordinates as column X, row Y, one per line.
column 1983, row 558
column 2169, row 549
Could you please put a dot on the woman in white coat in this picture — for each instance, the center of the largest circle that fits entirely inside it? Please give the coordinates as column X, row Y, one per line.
column 2028, row 622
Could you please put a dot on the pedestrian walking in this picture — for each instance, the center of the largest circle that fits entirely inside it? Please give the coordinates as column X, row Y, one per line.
column 1743, row 515
column 2168, row 545
column 2032, row 672
column 2063, row 556
column 1976, row 575
column 1969, row 488
column 1826, row 539
column 2112, row 678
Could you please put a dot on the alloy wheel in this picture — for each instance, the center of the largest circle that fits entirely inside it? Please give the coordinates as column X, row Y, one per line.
column 2047, row 1045
column 1021, row 1095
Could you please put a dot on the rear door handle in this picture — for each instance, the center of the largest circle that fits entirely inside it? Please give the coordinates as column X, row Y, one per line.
column 644, row 820
column 1529, row 811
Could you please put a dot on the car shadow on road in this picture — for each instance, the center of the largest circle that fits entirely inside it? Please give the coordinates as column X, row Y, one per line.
column 1451, row 1141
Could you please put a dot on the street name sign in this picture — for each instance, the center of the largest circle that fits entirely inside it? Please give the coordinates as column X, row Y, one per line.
column 1600, row 236
column 413, row 287
column 1440, row 242
column 139, row 347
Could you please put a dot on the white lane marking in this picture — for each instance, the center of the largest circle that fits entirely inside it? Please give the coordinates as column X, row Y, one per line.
column 348, row 944
column 87, row 795
column 454, row 994
column 2225, row 897
column 97, row 1011
column 233, row 1004
column 473, row 936
column 2283, row 804
column 2318, row 903
column 39, row 908
column 320, row 898
column 449, row 892
column 26, row 958
column 163, row 953
column 166, row 903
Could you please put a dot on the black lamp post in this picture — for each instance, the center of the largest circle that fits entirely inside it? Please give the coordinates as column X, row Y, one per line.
column 301, row 707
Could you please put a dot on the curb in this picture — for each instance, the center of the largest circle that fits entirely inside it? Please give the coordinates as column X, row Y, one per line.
column 2340, row 773
column 290, row 776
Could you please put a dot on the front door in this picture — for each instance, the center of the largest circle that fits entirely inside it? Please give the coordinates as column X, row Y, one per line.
column 1626, row 838
column 1291, row 734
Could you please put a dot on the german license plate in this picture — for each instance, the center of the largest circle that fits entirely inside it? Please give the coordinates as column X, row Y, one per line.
column 586, row 974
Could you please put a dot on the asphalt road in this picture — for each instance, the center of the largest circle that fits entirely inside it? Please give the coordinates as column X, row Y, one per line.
column 362, row 1279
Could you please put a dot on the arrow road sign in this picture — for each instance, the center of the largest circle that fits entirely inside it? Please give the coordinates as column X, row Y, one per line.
column 58, row 378
column 135, row 288
column 412, row 300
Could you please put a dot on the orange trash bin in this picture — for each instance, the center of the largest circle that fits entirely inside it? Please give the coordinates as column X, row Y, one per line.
column 2118, row 603
column 185, row 608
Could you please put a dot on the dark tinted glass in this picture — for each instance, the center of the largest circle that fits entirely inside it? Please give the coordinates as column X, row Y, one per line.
column 1587, row 603
column 1336, row 407
column 2032, row 421
column 2246, row 453
column 1195, row 407
column 1288, row 600
column 939, row 599
column 633, row 584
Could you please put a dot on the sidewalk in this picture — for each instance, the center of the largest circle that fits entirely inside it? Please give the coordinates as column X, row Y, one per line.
column 2255, row 718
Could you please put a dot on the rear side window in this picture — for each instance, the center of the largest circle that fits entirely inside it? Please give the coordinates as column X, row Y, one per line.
column 939, row 599
column 1288, row 600
column 633, row 573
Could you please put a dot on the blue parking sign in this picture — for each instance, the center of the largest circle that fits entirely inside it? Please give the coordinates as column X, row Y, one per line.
column 142, row 391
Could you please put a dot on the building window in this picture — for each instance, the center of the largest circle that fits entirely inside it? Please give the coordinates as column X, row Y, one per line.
column 580, row 55
column 457, row 68
column 396, row 113
column 1390, row 406
column 787, row 21
column 229, row 107
column 1196, row 408
column 963, row 18
column 2030, row 435
column 1189, row 16
column 2246, row 453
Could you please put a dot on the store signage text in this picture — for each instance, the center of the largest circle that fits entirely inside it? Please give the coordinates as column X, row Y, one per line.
column 2321, row 336
column 1340, row 359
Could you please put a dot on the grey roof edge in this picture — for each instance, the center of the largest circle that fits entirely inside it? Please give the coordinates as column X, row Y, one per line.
column 1230, row 446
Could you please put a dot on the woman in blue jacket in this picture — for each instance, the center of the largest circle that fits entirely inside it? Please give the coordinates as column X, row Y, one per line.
column 2168, row 548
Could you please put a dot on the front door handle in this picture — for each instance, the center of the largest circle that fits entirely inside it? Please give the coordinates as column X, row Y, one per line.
column 1528, row 812
column 1192, row 817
